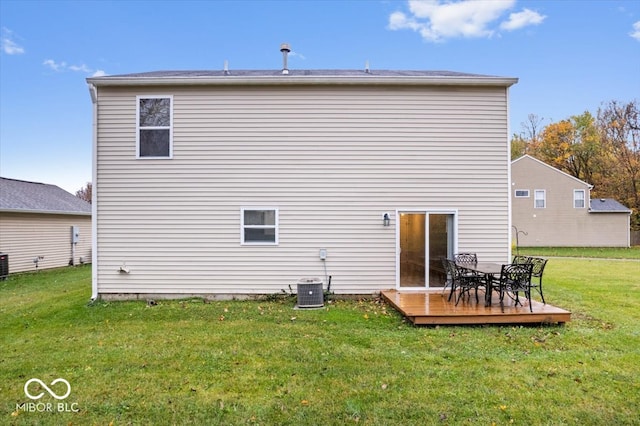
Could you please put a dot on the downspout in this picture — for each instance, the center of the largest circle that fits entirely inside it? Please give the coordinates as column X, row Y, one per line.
column 93, row 91
column 509, row 183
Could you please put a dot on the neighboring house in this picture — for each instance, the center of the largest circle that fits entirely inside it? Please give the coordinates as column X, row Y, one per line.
column 553, row 208
column 42, row 226
column 228, row 183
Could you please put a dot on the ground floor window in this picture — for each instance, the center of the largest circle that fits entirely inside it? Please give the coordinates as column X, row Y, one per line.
column 259, row 225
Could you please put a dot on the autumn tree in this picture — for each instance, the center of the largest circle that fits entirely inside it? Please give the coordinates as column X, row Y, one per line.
column 85, row 193
column 586, row 149
column 619, row 125
column 555, row 145
column 518, row 146
column 527, row 140
column 571, row 145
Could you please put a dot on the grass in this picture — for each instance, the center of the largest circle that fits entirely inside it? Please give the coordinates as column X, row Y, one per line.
column 593, row 252
column 354, row 362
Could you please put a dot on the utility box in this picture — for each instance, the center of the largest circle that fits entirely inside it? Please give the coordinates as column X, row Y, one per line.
column 75, row 234
column 4, row 266
column 310, row 293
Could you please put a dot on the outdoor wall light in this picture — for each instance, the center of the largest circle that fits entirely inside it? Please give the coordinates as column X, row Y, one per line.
column 386, row 220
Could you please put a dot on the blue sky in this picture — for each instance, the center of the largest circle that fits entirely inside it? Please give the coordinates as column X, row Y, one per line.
column 570, row 56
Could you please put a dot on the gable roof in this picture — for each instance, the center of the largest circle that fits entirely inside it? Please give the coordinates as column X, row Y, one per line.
column 350, row 77
column 527, row 156
column 607, row 205
column 32, row 197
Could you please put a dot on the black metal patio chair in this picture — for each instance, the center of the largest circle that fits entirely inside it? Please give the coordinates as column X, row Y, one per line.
column 514, row 279
column 536, row 274
column 461, row 258
column 519, row 259
column 466, row 280
column 449, row 270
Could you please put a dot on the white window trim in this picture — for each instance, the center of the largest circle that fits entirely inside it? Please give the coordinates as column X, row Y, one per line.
column 584, row 198
column 276, row 227
column 515, row 194
column 544, row 198
column 170, row 97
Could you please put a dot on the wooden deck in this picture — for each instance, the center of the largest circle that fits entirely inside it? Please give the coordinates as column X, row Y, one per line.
column 433, row 308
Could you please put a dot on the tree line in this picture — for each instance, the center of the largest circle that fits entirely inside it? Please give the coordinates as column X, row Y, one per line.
column 602, row 150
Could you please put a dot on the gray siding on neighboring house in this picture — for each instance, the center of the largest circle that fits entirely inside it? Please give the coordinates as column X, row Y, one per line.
column 332, row 160
column 559, row 223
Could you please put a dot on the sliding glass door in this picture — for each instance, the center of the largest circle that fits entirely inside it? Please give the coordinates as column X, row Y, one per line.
column 424, row 238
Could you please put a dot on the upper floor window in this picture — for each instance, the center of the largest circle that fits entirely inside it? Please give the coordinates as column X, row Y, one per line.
column 578, row 199
column 259, row 226
column 522, row 193
column 155, row 126
column 540, row 199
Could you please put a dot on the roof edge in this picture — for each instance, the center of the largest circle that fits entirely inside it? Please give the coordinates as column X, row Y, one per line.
column 590, row 186
column 231, row 80
column 59, row 212
column 609, row 211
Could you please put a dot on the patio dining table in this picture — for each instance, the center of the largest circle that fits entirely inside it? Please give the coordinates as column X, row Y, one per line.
column 489, row 270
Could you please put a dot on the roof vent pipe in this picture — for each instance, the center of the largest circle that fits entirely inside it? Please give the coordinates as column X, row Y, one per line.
column 226, row 67
column 366, row 67
column 285, row 49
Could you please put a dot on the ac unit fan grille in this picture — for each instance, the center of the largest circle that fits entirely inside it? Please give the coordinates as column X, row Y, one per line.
column 310, row 295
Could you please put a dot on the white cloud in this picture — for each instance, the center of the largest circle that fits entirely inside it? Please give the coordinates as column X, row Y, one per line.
column 522, row 19
column 56, row 66
column 7, row 44
column 399, row 21
column 63, row 66
column 437, row 20
column 82, row 68
column 636, row 31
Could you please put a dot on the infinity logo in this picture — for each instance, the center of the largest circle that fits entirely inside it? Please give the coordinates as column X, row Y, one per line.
column 52, row 393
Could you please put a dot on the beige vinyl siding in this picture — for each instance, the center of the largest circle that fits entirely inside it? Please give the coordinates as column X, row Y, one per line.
column 560, row 223
column 25, row 236
column 332, row 160
column 607, row 229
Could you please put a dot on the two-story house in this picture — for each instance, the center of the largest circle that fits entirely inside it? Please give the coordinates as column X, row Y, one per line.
column 553, row 208
column 228, row 183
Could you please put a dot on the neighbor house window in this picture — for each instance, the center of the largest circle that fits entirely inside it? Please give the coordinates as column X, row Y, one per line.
column 522, row 193
column 578, row 199
column 540, row 200
column 259, row 226
column 154, row 125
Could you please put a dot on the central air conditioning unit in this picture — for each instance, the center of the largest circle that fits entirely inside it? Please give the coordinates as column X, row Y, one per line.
column 310, row 293
column 4, row 266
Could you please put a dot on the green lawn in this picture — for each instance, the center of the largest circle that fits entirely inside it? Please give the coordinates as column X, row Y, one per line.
column 598, row 252
column 354, row 362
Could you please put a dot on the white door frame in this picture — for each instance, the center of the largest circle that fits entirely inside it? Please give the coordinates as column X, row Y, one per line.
column 426, row 212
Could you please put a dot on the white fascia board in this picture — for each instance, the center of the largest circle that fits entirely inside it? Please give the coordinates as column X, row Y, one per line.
column 302, row 80
column 45, row 212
